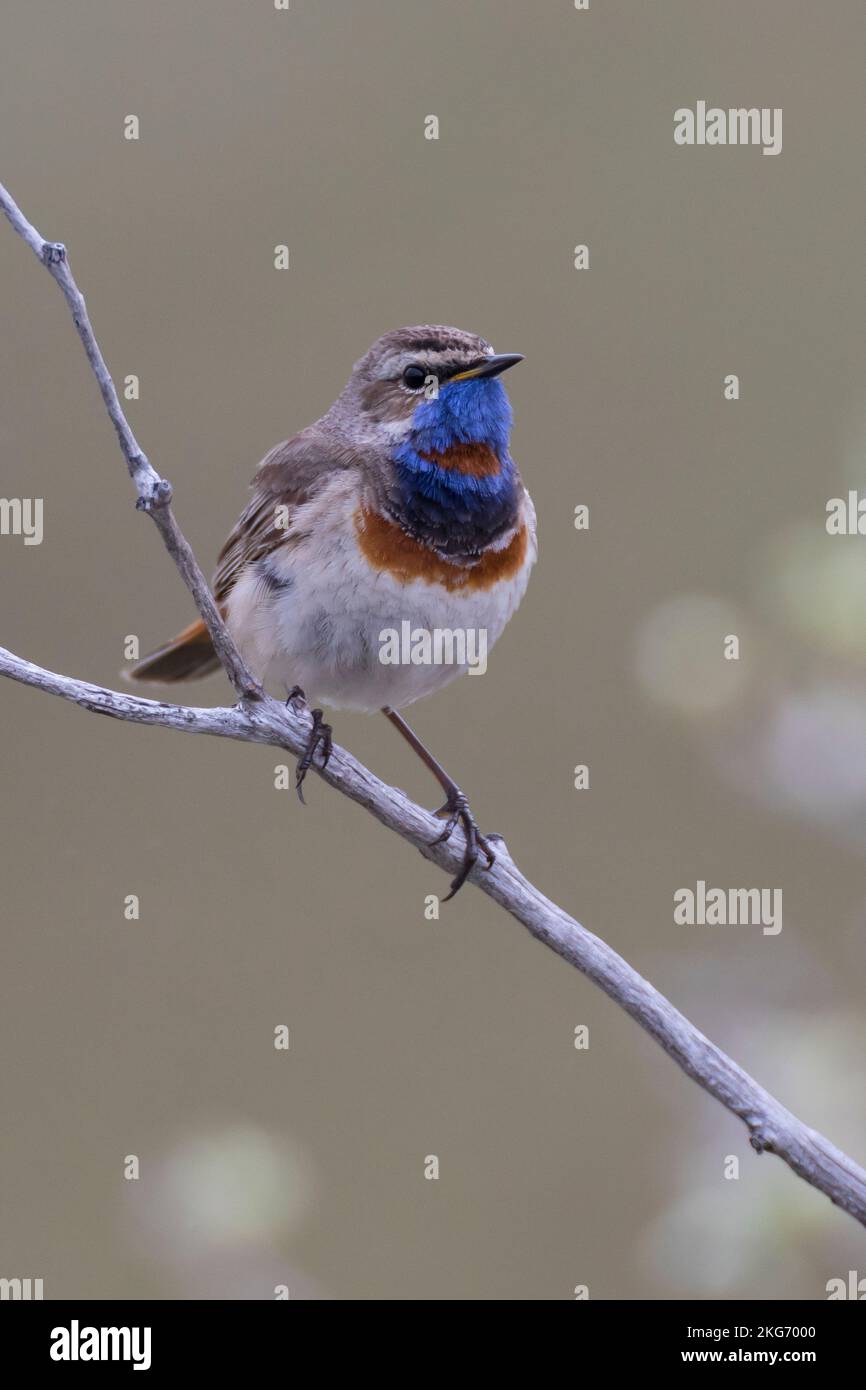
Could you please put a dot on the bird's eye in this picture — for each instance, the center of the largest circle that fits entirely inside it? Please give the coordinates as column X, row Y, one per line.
column 414, row 377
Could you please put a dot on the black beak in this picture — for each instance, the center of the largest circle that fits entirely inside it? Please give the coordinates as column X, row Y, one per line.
column 490, row 366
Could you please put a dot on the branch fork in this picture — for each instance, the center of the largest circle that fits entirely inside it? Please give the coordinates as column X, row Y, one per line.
column 161, row 495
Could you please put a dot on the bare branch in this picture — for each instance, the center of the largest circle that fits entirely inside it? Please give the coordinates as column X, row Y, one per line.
column 154, row 492
column 258, row 718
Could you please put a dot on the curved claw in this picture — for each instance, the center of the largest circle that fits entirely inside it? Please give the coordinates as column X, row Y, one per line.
column 321, row 737
column 457, row 809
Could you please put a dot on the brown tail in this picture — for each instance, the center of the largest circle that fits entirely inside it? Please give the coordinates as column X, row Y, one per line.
column 184, row 658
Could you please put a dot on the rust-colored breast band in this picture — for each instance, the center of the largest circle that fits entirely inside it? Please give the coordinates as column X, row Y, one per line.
column 388, row 549
column 475, row 460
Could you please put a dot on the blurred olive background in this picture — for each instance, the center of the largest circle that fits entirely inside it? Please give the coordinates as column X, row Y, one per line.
column 409, row 1038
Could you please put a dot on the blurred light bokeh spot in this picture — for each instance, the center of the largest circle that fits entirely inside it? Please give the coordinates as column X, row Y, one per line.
column 230, row 1189
column 680, row 654
column 815, row 586
column 816, row 750
column 803, row 754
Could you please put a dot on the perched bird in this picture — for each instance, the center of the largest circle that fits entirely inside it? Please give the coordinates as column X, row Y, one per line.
column 400, row 505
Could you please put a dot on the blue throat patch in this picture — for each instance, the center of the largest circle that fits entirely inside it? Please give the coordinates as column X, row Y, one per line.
column 454, row 511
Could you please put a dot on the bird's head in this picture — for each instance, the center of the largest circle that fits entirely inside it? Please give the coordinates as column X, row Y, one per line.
column 426, row 408
column 434, row 387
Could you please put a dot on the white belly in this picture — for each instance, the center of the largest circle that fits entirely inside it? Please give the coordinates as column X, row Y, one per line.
column 332, row 630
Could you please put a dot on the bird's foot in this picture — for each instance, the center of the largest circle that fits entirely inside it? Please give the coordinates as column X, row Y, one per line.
column 321, row 740
column 456, row 809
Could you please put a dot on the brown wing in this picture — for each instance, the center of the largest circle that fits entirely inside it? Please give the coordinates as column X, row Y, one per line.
column 289, row 475
column 254, row 535
column 286, row 477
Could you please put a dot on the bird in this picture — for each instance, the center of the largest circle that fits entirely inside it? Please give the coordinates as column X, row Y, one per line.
column 401, row 505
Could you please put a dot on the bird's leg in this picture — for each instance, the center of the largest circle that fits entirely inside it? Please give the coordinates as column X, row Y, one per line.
column 321, row 736
column 456, row 806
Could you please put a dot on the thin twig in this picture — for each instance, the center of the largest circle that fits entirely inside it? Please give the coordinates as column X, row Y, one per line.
column 258, row 718
column 154, row 492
